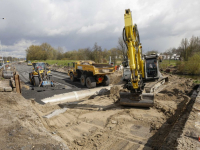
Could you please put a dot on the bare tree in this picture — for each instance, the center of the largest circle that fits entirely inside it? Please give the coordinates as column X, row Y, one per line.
column 97, row 53
column 122, row 47
column 184, row 46
column 59, row 53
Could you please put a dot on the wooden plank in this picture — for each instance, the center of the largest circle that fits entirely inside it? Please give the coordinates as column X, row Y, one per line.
column 17, row 84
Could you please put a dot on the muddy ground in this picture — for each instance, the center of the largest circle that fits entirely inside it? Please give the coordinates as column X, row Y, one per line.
column 96, row 122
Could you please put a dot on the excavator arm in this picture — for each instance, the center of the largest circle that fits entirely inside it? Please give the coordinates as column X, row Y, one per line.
column 132, row 41
column 136, row 96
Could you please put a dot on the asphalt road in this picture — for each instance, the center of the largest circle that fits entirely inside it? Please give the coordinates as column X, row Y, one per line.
column 59, row 78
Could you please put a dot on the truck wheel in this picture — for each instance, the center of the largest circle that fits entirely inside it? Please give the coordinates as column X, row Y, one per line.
column 90, row 82
column 72, row 77
column 82, row 79
column 106, row 81
column 36, row 81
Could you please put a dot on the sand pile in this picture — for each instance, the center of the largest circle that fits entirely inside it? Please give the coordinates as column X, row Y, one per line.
column 116, row 77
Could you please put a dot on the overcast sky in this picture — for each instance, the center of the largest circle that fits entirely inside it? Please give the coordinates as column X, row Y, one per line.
column 74, row 24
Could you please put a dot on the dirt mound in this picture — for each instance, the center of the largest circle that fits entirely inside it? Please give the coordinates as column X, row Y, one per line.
column 116, row 78
column 114, row 92
column 55, row 67
column 22, row 127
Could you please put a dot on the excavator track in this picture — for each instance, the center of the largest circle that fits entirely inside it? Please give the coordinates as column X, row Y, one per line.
column 143, row 99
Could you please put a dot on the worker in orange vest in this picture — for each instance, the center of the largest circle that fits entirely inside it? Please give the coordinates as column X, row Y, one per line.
column 116, row 67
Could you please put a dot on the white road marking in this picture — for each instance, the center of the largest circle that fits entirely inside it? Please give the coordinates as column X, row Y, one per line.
column 76, row 95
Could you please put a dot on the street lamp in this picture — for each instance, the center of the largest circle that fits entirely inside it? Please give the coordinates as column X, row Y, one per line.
column 1, row 50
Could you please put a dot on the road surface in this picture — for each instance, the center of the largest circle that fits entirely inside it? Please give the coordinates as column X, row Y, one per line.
column 59, row 78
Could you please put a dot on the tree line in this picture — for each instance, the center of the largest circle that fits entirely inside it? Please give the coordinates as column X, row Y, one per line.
column 46, row 52
column 189, row 51
column 186, row 49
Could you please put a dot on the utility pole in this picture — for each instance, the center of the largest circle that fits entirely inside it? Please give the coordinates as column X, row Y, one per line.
column 1, row 51
column 2, row 55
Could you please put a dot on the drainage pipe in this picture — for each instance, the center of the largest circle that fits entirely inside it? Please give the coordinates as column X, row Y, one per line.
column 75, row 95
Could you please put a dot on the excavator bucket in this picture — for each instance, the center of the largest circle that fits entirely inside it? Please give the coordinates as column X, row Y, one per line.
column 138, row 100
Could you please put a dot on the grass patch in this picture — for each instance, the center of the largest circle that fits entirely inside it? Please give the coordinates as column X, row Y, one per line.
column 167, row 63
column 196, row 81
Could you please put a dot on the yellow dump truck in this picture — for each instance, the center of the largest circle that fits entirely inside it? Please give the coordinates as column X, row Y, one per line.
column 90, row 73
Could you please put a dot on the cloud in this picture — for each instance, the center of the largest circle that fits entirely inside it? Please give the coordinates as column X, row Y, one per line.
column 77, row 24
column 92, row 28
column 18, row 48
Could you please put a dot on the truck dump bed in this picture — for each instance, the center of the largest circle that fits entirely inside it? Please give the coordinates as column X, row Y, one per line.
column 103, row 68
column 96, row 68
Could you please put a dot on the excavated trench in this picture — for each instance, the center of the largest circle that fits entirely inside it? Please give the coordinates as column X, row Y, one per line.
column 167, row 135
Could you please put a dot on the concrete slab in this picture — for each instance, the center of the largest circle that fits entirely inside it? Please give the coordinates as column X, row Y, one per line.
column 5, row 86
column 7, row 89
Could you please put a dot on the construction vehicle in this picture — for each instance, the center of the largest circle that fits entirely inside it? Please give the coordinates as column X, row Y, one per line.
column 1, row 63
column 90, row 73
column 8, row 71
column 145, row 76
column 40, row 77
column 29, row 63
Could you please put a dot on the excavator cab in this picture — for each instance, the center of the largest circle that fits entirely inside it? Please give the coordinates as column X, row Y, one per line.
column 151, row 67
column 39, row 66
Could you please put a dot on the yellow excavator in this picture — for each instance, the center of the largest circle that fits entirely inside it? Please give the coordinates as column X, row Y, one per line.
column 145, row 76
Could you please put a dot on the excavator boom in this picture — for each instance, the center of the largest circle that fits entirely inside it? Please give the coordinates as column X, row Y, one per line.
column 131, row 37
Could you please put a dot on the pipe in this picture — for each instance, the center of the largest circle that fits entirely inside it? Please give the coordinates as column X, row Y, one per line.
column 75, row 95
column 7, row 74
